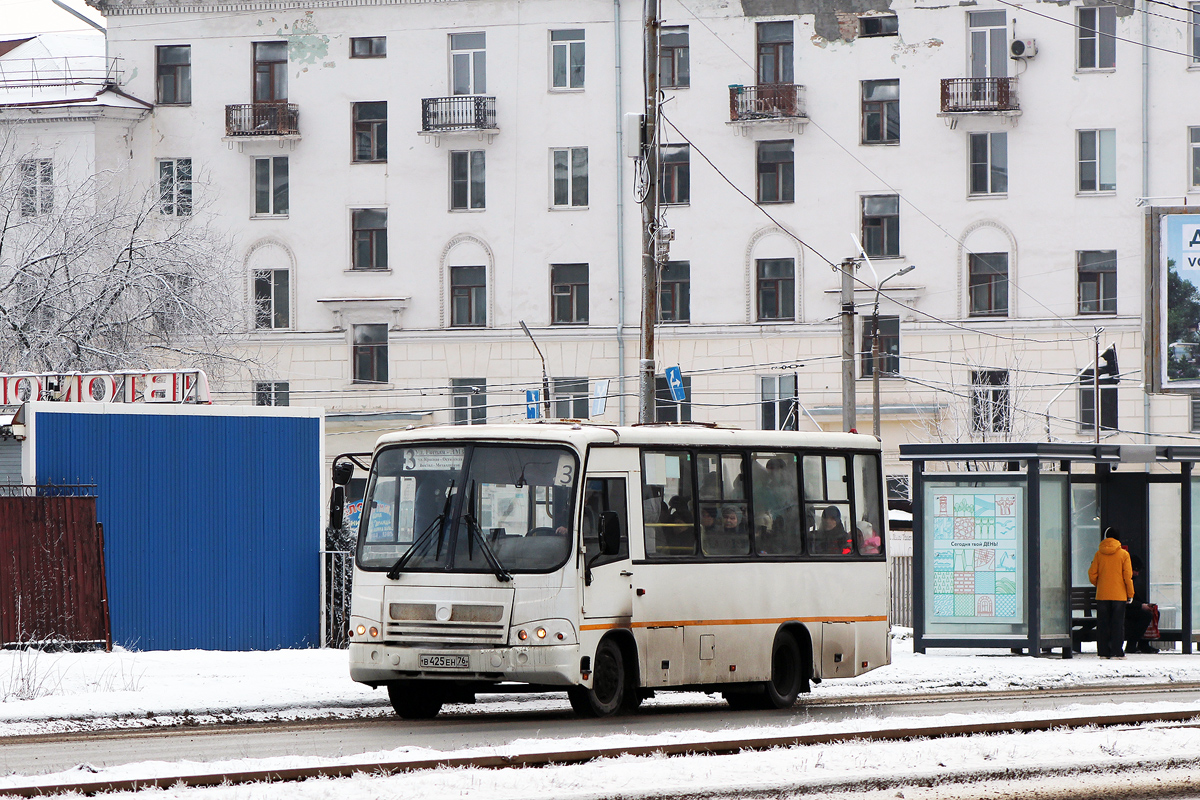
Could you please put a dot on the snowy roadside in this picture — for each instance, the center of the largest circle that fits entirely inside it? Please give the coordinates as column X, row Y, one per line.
column 59, row 692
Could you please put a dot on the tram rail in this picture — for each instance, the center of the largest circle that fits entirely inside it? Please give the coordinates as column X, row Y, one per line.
column 726, row 746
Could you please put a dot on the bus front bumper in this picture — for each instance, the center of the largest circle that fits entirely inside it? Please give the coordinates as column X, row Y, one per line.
column 551, row 665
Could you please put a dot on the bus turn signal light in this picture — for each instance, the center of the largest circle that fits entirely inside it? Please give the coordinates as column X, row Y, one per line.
column 374, row 632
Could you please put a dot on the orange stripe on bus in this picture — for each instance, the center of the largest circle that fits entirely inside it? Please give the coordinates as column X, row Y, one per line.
column 694, row 622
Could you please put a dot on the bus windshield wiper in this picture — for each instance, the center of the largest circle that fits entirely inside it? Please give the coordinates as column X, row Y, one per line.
column 477, row 532
column 438, row 521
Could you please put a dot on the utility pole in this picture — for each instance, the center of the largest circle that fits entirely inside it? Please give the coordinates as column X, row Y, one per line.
column 875, row 370
column 849, row 420
column 1096, row 386
column 649, row 216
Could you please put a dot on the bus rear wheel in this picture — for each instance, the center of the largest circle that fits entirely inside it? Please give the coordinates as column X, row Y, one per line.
column 607, row 694
column 787, row 673
column 415, row 699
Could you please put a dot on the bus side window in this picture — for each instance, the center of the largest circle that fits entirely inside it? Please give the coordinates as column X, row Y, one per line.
column 776, row 504
column 604, row 494
column 827, row 508
column 668, row 503
column 723, row 492
column 868, row 533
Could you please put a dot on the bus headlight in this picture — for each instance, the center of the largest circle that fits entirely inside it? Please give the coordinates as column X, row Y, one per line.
column 550, row 631
column 361, row 630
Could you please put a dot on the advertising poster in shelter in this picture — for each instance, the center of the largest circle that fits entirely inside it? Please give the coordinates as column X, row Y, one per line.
column 1179, row 257
column 975, row 547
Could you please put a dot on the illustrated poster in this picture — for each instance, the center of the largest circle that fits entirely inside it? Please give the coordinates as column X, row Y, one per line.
column 976, row 542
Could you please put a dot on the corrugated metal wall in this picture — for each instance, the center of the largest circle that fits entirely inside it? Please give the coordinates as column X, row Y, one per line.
column 211, row 524
column 51, row 578
column 10, row 461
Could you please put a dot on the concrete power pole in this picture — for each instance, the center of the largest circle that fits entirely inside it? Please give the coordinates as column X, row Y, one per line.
column 649, row 217
column 849, row 418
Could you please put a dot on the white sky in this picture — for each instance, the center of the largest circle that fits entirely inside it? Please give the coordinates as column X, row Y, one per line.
column 25, row 17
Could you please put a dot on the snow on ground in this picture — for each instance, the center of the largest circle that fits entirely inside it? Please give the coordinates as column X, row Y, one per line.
column 46, row 692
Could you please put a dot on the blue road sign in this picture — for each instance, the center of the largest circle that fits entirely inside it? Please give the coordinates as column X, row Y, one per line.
column 675, row 381
column 532, row 403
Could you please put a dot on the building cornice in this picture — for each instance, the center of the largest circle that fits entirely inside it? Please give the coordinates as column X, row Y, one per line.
column 118, row 8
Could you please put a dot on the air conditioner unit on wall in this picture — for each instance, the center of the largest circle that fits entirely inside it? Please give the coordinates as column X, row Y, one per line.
column 1022, row 48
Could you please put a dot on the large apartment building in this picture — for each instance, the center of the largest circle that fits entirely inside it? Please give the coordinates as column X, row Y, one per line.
column 407, row 182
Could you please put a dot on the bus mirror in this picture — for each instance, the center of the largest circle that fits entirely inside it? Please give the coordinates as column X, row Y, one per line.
column 610, row 533
column 342, row 472
column 337, row 504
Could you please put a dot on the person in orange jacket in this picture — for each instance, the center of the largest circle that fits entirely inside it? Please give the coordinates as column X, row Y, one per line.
column 1112, row 574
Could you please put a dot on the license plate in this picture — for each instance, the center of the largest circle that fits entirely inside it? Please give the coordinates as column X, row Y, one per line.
column 444, row 661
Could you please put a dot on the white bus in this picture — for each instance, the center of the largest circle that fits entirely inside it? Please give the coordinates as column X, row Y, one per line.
column 612, row 563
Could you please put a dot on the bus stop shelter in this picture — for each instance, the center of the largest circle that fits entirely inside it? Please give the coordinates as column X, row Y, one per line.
column 1004, row 533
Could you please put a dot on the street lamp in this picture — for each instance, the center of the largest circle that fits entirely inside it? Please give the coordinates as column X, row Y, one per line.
column 875, row 341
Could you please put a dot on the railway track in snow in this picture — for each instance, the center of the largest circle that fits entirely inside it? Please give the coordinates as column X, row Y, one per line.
column 1185, row 783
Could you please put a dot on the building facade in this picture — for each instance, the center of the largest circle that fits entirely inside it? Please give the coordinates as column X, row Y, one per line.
column 408, row 182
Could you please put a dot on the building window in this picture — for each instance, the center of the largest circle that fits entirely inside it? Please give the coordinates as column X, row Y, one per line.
column 271, row 299
column 570, row 398
column 1097, row 281
column 989, row 163
column 1097, row 161
column 174, row 74
column 368, row 47
column 674, row 292
column 990, row 410
column 570, row 167
column 774, row 52
column 675, row 174
column 271, row 186
column 673, row 69
column 370, row 353
column 1087, row 408
column 666, row 409
column 1195, row 415
column 566, row 59
column 270, row 72
column 1195, row 33
column 780, row 406
column 988, row 284
column 370, row 238
column 468, row 296
column 469, row 400
column 1097, row 37
column 569, row 294
column 899, row 487
column 889, row 346
column 776, row 289
column 881, row 225
column 1194, row 137
column 370, row 131
column 880, row 112
column 466, row 179
column 272, row 393
column 886, row 25
column 37, row 186
column 175, row 186
column 776, row 172
column 989, row 44
column 468, row 63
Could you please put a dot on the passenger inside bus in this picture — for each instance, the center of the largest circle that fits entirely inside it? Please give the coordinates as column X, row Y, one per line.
column 830, row 538
column 732, row 537
column 869, row 542
column 776, row 503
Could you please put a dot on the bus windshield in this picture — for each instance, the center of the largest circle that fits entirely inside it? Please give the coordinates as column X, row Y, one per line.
column 468, row 508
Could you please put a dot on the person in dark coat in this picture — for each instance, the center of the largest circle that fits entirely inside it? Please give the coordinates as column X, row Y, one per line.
column 1137, row 615
column 1112, row 576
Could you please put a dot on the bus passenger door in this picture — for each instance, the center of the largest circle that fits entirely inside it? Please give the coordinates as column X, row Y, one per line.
column 609, row 595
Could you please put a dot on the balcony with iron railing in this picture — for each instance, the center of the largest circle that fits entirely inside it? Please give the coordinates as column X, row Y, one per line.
column 262, row 119
column 979, row 96
column 766, row 102
column 463, row 112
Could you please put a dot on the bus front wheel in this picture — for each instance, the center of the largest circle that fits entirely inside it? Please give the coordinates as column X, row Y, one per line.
column 415, row 699
column 608, row 684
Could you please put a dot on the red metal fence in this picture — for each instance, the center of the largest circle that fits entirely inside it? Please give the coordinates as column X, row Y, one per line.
column 52, row 585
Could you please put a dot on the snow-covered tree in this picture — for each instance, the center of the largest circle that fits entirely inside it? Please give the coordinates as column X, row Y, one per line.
column 110, row 273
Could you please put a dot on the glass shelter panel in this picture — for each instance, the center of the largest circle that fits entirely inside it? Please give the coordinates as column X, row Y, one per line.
column 1085, row 531
column 1055, row 591
column 1162, row 582
column 1195, row 542
column 974, row 558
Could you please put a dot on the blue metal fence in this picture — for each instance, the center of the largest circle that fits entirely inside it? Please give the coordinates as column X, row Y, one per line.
column 211, row 523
